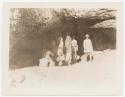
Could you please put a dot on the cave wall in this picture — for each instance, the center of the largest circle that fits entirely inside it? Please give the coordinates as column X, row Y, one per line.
column 32, row 38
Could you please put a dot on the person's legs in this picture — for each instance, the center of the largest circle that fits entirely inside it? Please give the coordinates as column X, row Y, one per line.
column 87, row 56
column 75, row 54
column 69, row 59
column 61, row 60
column 66, row 59
column 73, row 57
column 91, row 56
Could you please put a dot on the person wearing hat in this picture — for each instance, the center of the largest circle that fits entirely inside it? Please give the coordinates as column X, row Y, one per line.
column 88, row 48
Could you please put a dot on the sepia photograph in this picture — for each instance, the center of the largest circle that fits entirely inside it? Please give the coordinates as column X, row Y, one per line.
column 68, row 49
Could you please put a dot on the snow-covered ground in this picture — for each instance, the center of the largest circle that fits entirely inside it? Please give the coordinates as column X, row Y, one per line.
column 94, row 77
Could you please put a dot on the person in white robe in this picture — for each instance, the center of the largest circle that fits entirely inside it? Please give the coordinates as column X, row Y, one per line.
column 68, row 45
column 60, row 54
column 74, row 49
column 88, row 47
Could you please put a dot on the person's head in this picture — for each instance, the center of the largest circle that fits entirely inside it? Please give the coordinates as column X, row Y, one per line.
column 87, row 35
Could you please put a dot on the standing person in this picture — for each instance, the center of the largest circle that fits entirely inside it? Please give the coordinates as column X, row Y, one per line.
column 74, row 49
column 68, row 46
column 88, row 47
column 60, row 53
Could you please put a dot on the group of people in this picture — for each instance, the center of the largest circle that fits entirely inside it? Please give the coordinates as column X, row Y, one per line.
column 68, row 49
column 67, row 52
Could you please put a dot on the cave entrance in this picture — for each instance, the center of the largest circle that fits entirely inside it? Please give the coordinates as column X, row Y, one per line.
column 102, row 38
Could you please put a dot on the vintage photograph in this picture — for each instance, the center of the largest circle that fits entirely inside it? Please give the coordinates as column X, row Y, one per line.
column 63, row 51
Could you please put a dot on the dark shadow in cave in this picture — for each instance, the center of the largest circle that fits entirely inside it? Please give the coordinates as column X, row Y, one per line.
column 102, row 38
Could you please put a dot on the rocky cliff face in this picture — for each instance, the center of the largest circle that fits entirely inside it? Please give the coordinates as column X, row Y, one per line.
column 32, row 31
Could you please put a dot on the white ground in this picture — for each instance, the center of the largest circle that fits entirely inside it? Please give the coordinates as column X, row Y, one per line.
column 97, row 77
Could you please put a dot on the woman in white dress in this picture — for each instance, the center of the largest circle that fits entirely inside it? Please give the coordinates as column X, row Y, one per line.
column 74, row 49
column 60, row 53
column 68, row 45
